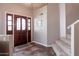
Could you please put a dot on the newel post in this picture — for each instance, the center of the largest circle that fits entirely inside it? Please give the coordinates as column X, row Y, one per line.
column 72, row 40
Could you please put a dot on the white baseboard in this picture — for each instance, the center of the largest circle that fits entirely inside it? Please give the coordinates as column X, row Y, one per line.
column 40, row 43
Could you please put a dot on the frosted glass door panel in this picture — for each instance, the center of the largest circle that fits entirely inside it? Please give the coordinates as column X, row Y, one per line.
column 18, row 24
column 23, row 24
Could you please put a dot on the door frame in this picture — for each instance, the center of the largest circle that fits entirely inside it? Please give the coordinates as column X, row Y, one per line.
column 11, row 48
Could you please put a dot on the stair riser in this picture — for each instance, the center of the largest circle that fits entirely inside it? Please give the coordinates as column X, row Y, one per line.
column 59, row 51
column 67, row 41
column 69, row 36
column 65, row 49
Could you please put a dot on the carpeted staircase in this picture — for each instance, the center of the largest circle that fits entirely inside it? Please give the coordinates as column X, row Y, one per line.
column 62, row 47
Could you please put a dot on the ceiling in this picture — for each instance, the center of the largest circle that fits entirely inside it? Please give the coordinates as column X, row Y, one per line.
column 34, row 5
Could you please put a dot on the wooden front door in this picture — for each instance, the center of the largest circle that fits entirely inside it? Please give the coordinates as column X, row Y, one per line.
column 20, row 30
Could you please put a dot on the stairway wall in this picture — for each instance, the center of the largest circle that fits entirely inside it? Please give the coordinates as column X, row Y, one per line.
column 76, row 40
column 72, row 14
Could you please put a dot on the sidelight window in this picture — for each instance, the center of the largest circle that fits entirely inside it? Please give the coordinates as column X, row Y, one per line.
column 9, row 23
column 29, row 24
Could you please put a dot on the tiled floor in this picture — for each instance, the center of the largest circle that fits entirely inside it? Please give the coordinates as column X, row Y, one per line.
column 33, row 50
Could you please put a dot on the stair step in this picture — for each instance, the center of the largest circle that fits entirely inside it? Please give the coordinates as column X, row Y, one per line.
column 69, row 36
column 64, row 46
column 58, row 50
column 66, row 41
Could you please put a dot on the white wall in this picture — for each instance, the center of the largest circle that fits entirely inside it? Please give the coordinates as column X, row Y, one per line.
column 50, row 31
column 40, row 32
column 53, row 23
column 62, row 10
